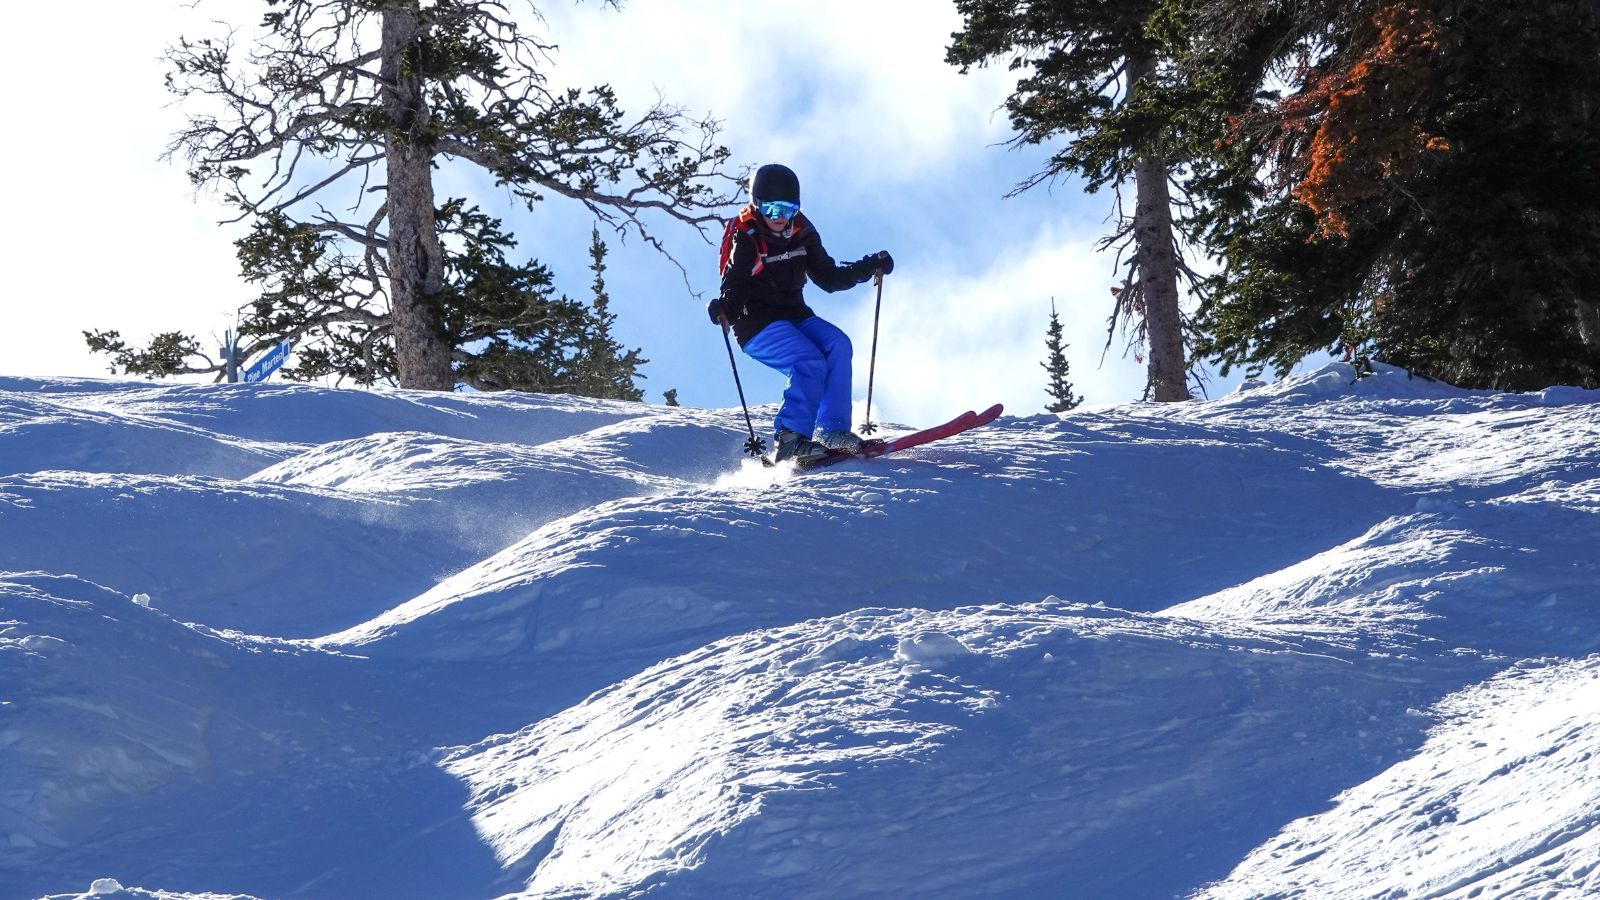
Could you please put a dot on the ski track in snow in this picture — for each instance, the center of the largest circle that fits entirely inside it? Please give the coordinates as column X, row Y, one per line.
column 1321, row 638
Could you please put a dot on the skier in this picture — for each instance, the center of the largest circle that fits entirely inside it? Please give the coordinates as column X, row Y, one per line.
column 767, row 252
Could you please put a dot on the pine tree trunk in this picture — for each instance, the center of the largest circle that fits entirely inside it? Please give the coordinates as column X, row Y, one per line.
column 416, row 259
column 1589, row 321
column 1156, row 259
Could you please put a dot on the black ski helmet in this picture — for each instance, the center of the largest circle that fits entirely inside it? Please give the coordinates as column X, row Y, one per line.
column 774, row 182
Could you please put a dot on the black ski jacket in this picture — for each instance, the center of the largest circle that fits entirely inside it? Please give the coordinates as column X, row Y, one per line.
column 765, row 273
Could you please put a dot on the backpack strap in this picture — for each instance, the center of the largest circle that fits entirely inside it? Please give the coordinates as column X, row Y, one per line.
column 745, row 222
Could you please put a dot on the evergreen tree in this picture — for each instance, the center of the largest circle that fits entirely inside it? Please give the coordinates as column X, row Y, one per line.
column 1062, row 397
column 1098, row 75
column 603, row 368
column 370, row 97
column 1434, row 191
column 671, row 397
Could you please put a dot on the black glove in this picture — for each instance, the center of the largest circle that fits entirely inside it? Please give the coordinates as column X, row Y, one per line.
column 883, row 261
column 715, row 310
column 871, row 264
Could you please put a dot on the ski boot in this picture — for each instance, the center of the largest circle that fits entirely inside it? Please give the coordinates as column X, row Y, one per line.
column 845, row 440
column 792, row 446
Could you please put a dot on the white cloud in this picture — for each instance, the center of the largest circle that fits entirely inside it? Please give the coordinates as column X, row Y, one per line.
column 796, row 82
column 952, row 340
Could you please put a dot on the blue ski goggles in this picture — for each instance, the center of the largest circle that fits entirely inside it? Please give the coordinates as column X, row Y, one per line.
column 778, row 209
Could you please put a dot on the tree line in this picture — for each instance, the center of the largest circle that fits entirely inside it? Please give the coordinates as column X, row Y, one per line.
column 1409, row 181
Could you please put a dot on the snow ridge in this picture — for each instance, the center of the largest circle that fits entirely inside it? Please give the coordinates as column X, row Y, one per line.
column 1329, row 637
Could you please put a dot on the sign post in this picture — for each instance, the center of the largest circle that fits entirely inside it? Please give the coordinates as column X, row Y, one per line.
column 230, row 355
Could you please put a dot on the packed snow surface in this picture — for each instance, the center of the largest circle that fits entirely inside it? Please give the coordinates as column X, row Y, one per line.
column 1330, row 637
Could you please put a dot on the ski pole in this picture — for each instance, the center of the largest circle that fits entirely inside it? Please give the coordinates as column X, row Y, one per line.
column 754, row 446
column 872, row 366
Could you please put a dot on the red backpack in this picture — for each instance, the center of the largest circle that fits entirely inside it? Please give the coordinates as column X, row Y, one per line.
column 746, row 222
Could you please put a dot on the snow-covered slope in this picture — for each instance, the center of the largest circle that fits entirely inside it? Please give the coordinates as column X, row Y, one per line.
column 1321, row 638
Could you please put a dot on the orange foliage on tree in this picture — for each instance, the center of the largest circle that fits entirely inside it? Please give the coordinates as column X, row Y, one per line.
column 1353, row 129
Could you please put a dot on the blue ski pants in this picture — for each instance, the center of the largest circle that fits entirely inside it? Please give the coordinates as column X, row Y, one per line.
column 815, row 354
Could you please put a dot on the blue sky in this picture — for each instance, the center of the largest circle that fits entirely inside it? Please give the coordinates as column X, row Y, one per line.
column 895, row 149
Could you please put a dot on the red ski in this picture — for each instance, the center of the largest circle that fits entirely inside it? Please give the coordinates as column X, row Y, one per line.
column 873, row 448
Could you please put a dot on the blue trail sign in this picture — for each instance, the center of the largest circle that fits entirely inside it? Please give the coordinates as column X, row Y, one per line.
column 268, row 364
